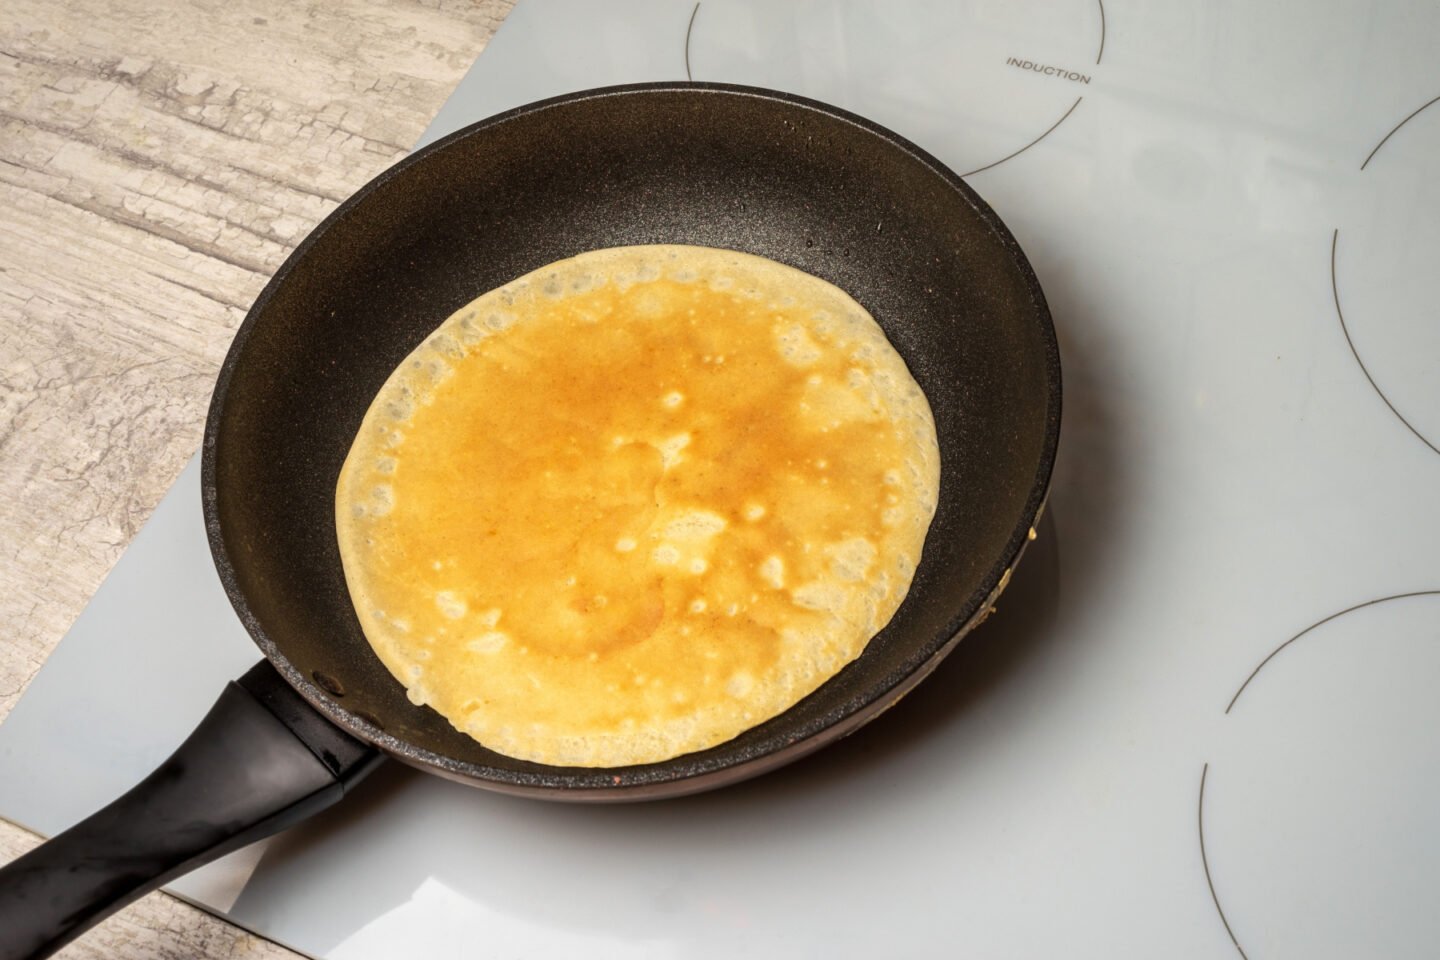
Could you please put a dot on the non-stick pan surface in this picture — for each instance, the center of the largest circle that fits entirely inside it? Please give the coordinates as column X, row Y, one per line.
column 766, row 173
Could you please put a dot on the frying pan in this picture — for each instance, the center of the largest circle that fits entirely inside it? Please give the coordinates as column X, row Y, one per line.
column 780, row 176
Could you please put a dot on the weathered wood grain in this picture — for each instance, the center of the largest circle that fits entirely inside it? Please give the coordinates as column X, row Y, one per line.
column 157, row 163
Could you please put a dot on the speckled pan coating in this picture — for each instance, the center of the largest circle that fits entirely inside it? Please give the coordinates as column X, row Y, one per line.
column 715, row 165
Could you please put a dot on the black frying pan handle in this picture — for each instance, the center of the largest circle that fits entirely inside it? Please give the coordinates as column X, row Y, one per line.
column 261, row 760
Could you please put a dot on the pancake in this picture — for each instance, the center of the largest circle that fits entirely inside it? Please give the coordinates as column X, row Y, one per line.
column 636, row 502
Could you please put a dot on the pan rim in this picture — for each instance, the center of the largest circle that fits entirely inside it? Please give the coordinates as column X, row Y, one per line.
column 696, row 771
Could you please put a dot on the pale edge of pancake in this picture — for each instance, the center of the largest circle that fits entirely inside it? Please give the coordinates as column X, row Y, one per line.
column 805, row 661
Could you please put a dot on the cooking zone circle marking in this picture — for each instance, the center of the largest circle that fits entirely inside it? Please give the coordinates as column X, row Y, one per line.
column 1299, row 821
column 1390, row 287
column 1007, row 74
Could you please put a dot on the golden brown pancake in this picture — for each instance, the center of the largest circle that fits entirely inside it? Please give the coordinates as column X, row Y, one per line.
column 631, row 504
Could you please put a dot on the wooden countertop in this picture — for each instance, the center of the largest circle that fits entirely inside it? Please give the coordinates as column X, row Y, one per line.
column 157, row 163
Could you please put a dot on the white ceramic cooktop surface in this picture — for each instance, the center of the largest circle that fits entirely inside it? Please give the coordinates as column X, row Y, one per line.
column 1234, row 213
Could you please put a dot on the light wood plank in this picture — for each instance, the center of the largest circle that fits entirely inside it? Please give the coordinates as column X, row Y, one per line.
column 157, row 163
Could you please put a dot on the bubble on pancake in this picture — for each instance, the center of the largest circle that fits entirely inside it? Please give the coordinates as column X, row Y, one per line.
column 446, row 345
column 740, row 684
column 450, row 604
column 828, row 405
column 512, row 688
column 772, row 571
column 491, row 641
column 797, row 346
column 469, row 331
column 670, row 448
column 650, row 305
column 851, row 559
column 823, row 595
column 695, row 525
